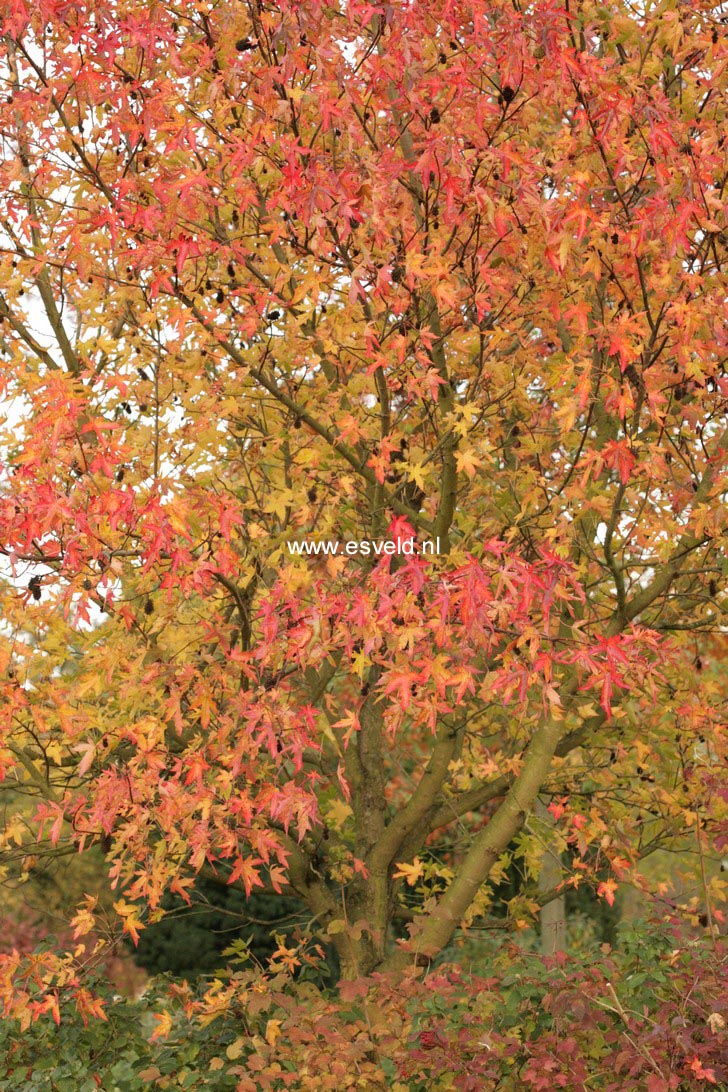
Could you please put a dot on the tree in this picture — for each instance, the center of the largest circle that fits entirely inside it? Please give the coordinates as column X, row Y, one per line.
column 298, row 272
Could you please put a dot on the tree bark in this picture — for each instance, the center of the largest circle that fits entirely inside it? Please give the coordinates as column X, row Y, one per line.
column 553, row 913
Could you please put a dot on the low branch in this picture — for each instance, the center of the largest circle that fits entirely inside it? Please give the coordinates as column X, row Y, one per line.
column 433, row 931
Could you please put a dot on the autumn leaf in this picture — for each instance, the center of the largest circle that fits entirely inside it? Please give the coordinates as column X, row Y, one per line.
column 163, row 1025
column 409, row 872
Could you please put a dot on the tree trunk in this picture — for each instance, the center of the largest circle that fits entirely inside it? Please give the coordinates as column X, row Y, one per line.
column 553, row 912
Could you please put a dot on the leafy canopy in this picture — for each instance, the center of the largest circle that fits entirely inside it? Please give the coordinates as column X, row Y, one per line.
column 274, row 272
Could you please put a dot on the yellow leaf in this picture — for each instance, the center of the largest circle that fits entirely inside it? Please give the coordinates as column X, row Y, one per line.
column 467, row 462
column 272, row 1031
column 235, row 1049
column 337, row 813
column 164, row 1025
column 409, row 872
column 416, row 472
column 279, row 502
column 360, row 664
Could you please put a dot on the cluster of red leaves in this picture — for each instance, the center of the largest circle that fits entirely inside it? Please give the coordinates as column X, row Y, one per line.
column 570, row 1027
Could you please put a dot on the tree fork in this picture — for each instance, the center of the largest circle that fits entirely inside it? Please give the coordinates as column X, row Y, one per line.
column 432, row 932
